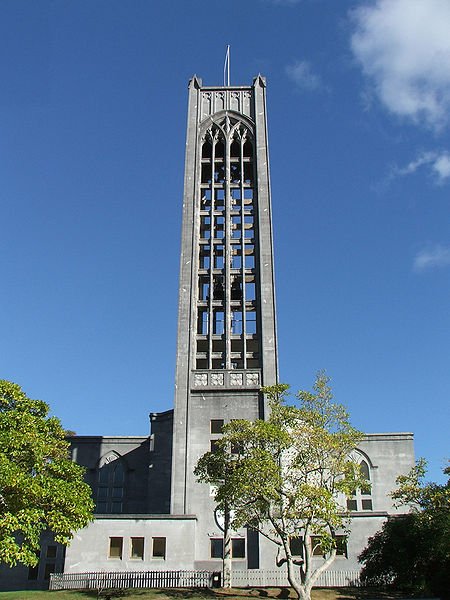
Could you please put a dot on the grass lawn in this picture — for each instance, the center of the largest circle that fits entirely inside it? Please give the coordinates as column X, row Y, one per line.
column 179, row 594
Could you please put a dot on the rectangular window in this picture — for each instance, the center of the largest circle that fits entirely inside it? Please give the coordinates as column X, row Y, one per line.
column 296, row 546
column 216, row 425
column 250, row 290
column 341, row 545
column 238, row 548
column 351, row 504
column 214, row 447
column 205, row 250
column 115, row 547
column 137, row 548
column 159, row 547
column 236, row 322
column 236, row 193
column 51, row 552
column 117, row 492
column 102, row 493
column 366, row 504
column 236, row 258
column 249, row 261
column 218, row 256
column 33, row 573
column 216, row 548
column 49, row 568
column 203, row 287
column 250, row 321
column 202, row 322
column 218, row 324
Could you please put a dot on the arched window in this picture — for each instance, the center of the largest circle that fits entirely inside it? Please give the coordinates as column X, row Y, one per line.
column 227, row 241
column 361, row 499
column 110, row 485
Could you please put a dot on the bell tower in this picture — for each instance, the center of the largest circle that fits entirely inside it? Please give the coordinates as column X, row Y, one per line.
column 227, row 346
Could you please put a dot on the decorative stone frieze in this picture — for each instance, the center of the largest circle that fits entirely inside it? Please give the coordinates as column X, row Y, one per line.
column 216, row 378
column 200, row 379
column 236, row 379
column 252, row 379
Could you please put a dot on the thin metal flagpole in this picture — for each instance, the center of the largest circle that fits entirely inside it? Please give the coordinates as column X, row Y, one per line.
column 226, row 68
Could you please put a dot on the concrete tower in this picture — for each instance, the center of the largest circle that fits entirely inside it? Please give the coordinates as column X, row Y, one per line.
column 227, row 346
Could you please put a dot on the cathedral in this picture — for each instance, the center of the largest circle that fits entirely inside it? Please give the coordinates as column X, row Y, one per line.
column 151, row 513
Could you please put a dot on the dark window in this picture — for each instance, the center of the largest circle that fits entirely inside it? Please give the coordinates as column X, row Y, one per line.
column 110, row 488
column 33, row 573
column 216, row 425
column 51, row 552
column 159, row 547
column 365, row 470
column 366, row 504
column 49, row 568
column 238, row 548
column 351, row 504
column 214, row 447
column 216, row 548
column 296, row 546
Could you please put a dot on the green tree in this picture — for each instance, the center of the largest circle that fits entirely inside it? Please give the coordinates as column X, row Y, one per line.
column 40, row 487
column 287, row 477
column 412, row 551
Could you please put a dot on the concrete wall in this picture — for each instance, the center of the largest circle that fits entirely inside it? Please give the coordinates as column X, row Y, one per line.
column 89, row 549
column 94, row 452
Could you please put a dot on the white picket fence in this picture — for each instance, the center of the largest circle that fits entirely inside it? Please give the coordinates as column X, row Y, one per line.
column 130, row 579
column 278, row 578
column 190, row 579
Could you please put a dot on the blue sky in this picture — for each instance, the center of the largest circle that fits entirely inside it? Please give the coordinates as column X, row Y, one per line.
column 93, row 100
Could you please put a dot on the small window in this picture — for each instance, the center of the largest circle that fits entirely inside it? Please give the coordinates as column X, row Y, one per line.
column 216, row 425
column 216, row 548
column 115, row 547
column 238, row 548
column 51, row 552
column 159, row 547
column 341, row 545
column 49, row 568
column 296, row 546
column 351, row 504
column 214, row 446
column 33, row 573
column 137, row 548
column 366, row 504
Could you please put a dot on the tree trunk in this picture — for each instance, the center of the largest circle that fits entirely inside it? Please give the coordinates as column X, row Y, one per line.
column 226, row 550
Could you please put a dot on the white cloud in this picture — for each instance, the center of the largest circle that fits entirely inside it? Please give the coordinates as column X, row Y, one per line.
column 303, row 76
column 442, row 166
column 434, row 257
column 403, row 47
column 438, row 162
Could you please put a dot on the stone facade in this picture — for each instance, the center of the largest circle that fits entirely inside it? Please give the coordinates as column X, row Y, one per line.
column 150, row 512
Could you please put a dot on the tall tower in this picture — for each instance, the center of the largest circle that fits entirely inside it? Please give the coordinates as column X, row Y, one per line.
column 227, row 345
